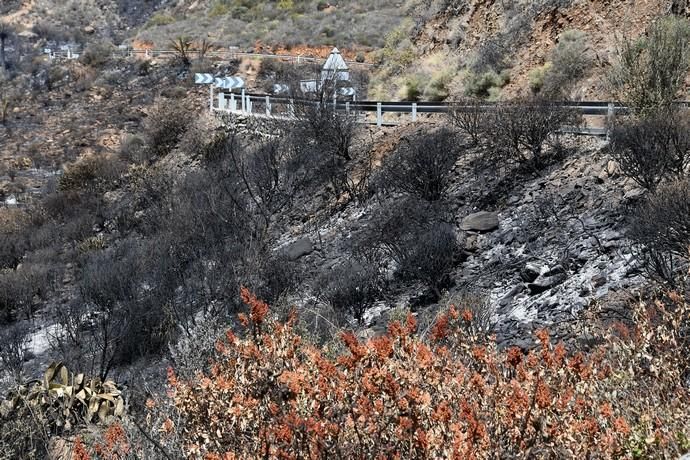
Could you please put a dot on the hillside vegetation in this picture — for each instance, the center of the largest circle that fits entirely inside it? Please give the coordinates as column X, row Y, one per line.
column 182, row 283
column 285, row 23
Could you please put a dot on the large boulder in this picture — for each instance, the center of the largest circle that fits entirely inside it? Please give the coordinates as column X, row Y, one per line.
column 482, row 221
column 544, row 283
column 299, row 248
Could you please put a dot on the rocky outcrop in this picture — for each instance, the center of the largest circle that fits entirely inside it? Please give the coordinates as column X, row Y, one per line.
column 480, row 222
column 298, row 248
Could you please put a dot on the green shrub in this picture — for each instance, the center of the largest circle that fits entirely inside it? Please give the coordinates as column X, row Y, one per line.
column 160, row 19
column 537, row 77
column 398, row 52
column 652, row 69
column 438, row 87
column 411, row 88
column 485, row 85
column 55, row 405
column 219, row 8
column 569, row 63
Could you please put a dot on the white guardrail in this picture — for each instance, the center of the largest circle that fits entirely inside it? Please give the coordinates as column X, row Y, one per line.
column 262, row 105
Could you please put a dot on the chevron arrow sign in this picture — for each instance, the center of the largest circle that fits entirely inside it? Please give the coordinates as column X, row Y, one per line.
column 229, row 82
column 346, row 91
column 203, row 78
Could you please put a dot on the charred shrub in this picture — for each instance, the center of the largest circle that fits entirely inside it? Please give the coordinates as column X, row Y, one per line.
column 418, row 238
column 429, row 256
column 19, row 287
column 279, row 275
column 661, row 226
column 14, row 341
column 132, row 148
column 352, row 287
column 97, row 54
column 519, row 131
column 324, row 141
column 468, row 116
column 121, row 312
column 164, row 128
column 652, row 148
column 421, row 167
column 99, row 171
column 13, row 243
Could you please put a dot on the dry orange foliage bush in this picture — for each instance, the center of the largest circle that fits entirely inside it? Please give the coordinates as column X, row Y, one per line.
column 273, row 395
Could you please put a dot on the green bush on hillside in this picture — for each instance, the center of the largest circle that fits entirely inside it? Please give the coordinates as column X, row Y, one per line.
column 160, row 19
column 651, row 70
column 485, row 85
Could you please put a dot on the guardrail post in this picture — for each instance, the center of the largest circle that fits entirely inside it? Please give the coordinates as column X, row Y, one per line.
column 210, row 103
column 249, row 104
column 233, row 103
column 268, row 106
column 379, row 114
column 244, row 102
column 347, row 107
column 414, row 111
column 291, row 109
column 610, row 113
column 221, row 100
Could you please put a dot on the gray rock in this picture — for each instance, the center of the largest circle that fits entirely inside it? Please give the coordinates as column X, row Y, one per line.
column 634, row 193
column 584, row 291
column 299, row 248
column 598, row 280
column 508, row 298
column 480, row 222
column 610, row 235
column 531, row 272
column 613, row 168
column 471, row 243
column 602, row 176
column 544, row 283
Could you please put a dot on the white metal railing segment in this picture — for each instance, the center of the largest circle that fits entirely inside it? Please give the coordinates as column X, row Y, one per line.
column 272, row 104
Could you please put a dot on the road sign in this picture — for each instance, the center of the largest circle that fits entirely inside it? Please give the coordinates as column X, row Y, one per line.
column 229, row 82
column 203, row 78
column 346, row 91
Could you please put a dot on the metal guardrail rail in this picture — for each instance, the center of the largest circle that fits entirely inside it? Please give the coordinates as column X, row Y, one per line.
column 263, row 105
